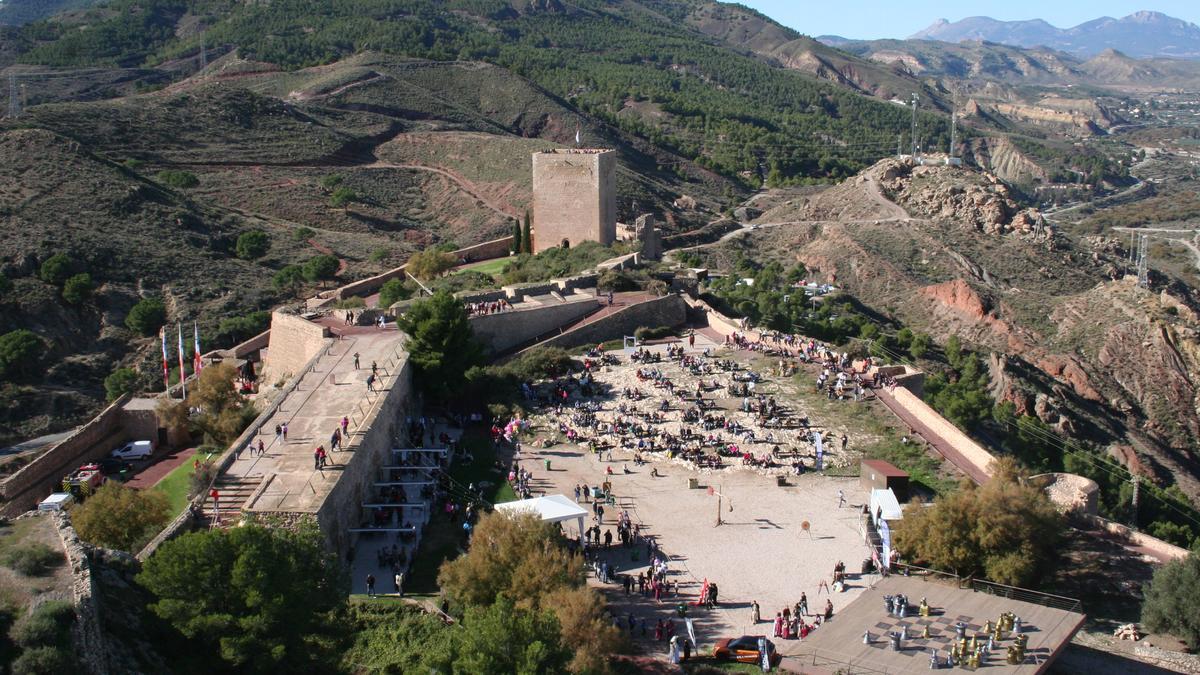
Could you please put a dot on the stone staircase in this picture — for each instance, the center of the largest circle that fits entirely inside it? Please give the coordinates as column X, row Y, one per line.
column 233, row 492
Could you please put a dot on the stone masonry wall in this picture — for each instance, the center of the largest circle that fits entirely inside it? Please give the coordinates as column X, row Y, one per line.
column 574, row 197
column 669, row 310
column 496, row 248
column 501, row 332
column 294, row 341
column 86, row 633
column 25, row 488
column 973, row 452
column 342, row 508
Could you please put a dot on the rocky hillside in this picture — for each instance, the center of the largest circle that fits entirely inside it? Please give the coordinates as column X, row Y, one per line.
column 1083, row 349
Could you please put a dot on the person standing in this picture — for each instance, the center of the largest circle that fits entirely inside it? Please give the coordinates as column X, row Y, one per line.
column 371, row 585
column 841, row 499
column 345, row 424
column 262, row 449
column 803, row 604
column 356, row 360
column 828, row 610
column 278, row 433
column 399, row 581
column 317, row 458
column 755, row 614
column 284, row 432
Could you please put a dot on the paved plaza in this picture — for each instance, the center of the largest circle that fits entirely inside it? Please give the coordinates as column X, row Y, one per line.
column 761, row 551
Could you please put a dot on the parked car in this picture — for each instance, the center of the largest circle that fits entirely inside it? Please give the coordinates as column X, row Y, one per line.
column 744, row 649
column 133, row 450
column 116, row 469
column 56, row 502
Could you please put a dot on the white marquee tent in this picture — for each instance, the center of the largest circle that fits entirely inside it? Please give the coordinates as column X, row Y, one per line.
column 552, row 508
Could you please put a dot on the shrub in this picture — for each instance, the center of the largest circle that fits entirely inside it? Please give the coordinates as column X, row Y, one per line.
column 21, row 352
column 647, row 333
column 56, row 269
column 6, row 284
column 613, row 280
column 43, row 661
column 332, row 181
column 354, row 302
column 321, row 267
column 342, row 197
column 121, row 381
column 235, row 329
column 304, row 233
column 252, row 244
column 32, row 560
column 78, row 288
column 1170, row 605
column 430, row 263
column 392, row 292
column 178, row 179
column 120, row 517
column 133, row 164
column 379, row 255
column 288, row 279
column 147, row 316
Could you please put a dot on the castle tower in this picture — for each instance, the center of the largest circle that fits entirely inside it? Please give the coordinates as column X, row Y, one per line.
column 574, row 197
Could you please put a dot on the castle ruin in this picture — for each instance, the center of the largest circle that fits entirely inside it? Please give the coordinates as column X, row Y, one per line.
column 574, row 197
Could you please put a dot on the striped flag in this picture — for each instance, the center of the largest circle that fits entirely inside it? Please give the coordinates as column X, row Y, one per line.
column 162, row 333
column 182, row 374
column 198, row 365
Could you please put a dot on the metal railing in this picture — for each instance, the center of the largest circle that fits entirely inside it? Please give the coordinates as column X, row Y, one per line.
column 1000, row 590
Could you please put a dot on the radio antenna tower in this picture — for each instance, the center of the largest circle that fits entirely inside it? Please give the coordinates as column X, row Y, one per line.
column 14, row 103
column 915, row 98
column 1143, row 272
column 954, row 125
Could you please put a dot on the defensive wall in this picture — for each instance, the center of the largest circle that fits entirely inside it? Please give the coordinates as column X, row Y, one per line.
column 369, row 449
column 88, row 638
column 30, row 484
column 294, row 341
column 495, row 248
column 973, row 453
column 505, row 330
column 574, row 197
column 669, row 310
column 1161, row 549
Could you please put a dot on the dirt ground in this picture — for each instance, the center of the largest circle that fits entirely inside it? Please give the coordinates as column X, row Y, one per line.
column 760, row 552
column 18, row 590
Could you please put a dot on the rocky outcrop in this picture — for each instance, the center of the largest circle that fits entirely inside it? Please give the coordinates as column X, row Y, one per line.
column 949, row 194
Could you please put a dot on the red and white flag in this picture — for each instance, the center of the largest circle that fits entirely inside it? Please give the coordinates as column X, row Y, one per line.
column 162, row 333
column 182, row 374
column 197, row 364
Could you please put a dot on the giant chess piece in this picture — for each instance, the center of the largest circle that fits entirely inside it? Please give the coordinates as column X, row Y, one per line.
column 933, row 660
column 904, row 632
column 866, row 637
column 925, row 632
column 1017, row 625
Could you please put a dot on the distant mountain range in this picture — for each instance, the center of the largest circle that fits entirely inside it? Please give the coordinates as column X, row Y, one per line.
column 1140, row 35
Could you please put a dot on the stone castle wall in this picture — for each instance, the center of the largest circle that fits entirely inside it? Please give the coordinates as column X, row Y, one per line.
column 669, row 310
column 496, row 248
column 294, row 342
column 33, row 482
column 574, row 197
column 503, row 331
column 369, row 450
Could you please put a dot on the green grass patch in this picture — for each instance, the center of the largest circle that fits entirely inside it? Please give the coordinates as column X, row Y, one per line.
column 924, row 470
column 489, row 267
column 443, row 539
column 177, row 484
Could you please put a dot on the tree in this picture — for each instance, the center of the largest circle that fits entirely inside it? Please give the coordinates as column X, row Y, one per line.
column 953, row 350
column 585, row 626
column 262, row 600
column 518, row 556
column 393, row 291
column 56, row 269
column 304, row 233
column 430, row 263
column 342, row 197
column 21, row 353
column 120, row 517
column 252, row 244
column 6, row 285
column 78, row 288
column 516, row 236
column 527, row 236
column 501, row 639
column 121, row 381
column 332, row 181
column 1003, row 530
column 288, row 279
column 321, row 267
column 224, row 412
column 147, row 316
column 440, row 343
column 1170, row 605
column 919, row 345
column 178, row 179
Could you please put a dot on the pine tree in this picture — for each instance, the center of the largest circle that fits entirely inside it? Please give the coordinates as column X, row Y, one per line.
column 516, row 235
column 527, row 236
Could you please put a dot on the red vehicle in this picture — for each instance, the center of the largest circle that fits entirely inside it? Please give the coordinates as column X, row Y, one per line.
column 744, row 649
column 84, row 481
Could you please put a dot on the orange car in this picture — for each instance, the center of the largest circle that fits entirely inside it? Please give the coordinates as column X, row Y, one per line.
column 744, row 649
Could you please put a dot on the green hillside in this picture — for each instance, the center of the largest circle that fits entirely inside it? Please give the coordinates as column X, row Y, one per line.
column 726, row 109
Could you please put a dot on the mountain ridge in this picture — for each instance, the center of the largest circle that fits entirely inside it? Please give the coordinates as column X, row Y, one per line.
column 1143, row 34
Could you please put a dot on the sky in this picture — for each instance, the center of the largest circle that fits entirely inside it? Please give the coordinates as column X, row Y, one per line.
column 874, row 19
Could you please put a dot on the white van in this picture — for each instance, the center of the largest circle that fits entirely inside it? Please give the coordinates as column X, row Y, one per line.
column 133, row 450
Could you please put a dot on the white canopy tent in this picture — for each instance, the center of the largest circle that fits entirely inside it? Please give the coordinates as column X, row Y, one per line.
column 551, row 508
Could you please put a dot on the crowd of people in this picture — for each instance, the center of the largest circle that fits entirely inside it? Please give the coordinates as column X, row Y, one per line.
column 490, row 307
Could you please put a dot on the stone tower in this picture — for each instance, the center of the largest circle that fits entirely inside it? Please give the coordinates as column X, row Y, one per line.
column 574, row 197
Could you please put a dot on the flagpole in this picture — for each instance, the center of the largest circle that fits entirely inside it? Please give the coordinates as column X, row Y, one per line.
column 162, row 334
column 199, row 362
column 182, row 373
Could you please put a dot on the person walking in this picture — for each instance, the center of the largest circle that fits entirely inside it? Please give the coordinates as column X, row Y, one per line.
column 371, row 383
column 317, row 458
column 841, row 499
column 284, row 427
column 262, row 449
column 345, row 424
column 371, row 585
column 828, row 610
